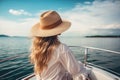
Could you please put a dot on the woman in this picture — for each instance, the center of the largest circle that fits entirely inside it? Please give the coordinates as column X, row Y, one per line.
column 52, row 59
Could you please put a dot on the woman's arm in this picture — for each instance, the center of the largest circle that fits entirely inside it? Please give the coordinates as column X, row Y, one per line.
column 75, row 68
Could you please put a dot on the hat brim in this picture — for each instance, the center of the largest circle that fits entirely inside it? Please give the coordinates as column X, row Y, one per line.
column 37, row 31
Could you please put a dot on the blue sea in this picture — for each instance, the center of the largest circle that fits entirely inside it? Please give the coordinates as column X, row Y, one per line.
column 14, row 51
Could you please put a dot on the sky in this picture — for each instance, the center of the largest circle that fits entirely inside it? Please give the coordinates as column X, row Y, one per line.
column 18, row 16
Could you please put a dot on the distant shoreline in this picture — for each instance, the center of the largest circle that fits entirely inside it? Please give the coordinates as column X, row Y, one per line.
column 94, row 36
column 2, row 35
column 103, row 36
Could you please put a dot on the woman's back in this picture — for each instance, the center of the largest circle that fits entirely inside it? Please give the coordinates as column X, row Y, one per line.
column 55, row 69
column 62, row 66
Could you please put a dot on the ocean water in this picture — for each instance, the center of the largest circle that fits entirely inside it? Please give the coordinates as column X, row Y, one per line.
column 14, row 51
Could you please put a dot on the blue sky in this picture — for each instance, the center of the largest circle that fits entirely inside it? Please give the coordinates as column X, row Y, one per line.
column 35, row 6
column 18, row 16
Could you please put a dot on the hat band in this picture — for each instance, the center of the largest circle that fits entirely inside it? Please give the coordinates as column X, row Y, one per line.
column 52, row 25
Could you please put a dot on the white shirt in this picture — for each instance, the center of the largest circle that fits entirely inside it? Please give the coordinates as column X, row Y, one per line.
column 63, row 65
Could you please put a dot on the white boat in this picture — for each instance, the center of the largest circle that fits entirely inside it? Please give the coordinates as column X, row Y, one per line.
column 95, row 72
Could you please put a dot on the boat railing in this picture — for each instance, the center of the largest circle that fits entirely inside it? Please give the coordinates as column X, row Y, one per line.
column 100, row 49
column 86, row 52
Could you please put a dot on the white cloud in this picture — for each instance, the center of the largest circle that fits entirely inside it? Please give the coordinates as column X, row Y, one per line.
column 98, row 14
column 111, row 26
column 87, row 2
column 19, row 12
column 21, row 28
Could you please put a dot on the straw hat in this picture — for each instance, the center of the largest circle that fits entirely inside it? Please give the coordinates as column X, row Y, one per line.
column 50, row 24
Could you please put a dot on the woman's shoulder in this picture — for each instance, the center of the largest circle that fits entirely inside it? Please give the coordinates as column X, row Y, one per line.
column 63, row 47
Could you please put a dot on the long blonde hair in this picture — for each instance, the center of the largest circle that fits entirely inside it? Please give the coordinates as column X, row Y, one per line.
column 41, row 51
